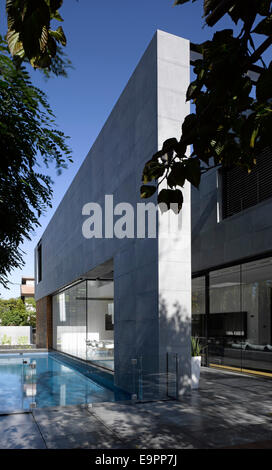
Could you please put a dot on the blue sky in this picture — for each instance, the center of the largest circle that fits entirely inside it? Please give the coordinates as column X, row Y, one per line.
column 105, row 42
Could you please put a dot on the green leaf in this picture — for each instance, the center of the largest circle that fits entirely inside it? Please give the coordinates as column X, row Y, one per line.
column 264, row 27
column 57, row 16
column 209, row 6
column 153, row 170
column 14, row 43
column 169, row 197
column 189, row 129
column 44, row 39
column 264, row 7
column 264, row 85
column 189, row 123
column 58, row 35
column 147, row 191
column 180, row 2
column 55, row 4
column 192, row 171
column 169, row 145
column 253, row 137
column 177, row 176
column 192, row 89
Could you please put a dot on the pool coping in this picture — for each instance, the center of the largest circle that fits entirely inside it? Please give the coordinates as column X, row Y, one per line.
column 24, row 351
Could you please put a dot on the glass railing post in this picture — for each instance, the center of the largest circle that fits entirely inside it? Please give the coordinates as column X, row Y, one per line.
column 24, row 381
column 134, row 391
column 177, row 376
column 32, row 366
column 140, row 379
column 167, row 374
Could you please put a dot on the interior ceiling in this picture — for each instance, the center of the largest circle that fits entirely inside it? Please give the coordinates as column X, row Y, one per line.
column 103, row 271
column 252, row 272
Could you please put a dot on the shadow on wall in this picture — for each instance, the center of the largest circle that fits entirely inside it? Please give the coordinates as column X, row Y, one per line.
column 175, row 346
column 161, row 366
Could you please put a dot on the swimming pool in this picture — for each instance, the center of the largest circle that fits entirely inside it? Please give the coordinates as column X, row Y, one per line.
column 50, row 379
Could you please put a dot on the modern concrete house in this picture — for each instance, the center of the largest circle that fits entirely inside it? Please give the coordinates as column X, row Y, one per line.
column 27, row 288
column 232, row 267
column 128, row 303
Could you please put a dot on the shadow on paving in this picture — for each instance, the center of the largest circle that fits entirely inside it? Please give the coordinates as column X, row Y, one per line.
column 228, row 411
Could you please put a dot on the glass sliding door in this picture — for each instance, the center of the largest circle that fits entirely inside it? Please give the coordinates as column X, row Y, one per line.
column 100, row 323
column 69, row 321
column 83, row 321
column 235, row 318
column 227, row 323
column 257, row 302
column 199, row 324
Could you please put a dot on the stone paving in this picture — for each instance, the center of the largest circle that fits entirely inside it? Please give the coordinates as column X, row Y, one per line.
column 228, row 411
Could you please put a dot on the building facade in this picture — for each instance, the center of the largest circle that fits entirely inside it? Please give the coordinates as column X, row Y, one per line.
column 27, row 288
column 125, row 300
column 232, row 267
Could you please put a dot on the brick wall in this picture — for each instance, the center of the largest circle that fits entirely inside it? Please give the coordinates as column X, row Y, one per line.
column 44, row 332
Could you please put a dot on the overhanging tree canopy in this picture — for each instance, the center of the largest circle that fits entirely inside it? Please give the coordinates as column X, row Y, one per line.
column 232, row 121
column 31, row 38
column 27, row 139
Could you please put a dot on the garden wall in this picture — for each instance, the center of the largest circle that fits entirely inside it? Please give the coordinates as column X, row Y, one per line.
column 15, row 335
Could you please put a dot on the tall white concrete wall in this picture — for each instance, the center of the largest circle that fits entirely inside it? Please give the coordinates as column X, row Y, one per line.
column 146, row 271
column 174, row 249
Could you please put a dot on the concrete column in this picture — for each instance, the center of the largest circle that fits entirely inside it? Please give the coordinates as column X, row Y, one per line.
column 152, row 277
column 174, row 232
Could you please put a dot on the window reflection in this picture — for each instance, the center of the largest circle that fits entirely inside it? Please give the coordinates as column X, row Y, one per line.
column 239, row 321
column 226, row 321
column 256, row 300
column 69, row 321
column 100, row 331
column 83, row 322
column 198, row 313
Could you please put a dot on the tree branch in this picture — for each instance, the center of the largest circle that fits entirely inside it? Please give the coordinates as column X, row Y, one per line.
column 258, row 53
column 218, row 12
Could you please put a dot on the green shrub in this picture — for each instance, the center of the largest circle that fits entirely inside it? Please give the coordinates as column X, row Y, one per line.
column 196, row 347
column 6, row 339
column 13, row 312
column 22, row 340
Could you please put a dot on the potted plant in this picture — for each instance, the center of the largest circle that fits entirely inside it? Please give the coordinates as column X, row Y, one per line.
column 195, row 362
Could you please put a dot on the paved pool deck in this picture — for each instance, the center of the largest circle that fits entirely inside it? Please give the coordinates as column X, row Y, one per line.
column 229, row 410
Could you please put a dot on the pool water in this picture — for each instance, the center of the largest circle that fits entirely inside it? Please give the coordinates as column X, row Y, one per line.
column 49, row 379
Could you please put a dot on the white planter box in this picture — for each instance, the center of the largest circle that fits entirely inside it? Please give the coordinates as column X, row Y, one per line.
column 195, row 364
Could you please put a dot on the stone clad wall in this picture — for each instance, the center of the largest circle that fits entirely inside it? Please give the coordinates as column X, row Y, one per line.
column 150, row 109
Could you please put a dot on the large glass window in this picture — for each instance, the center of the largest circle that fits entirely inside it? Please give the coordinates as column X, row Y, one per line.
column 39, row 262
column 256, row 301
column 237, row 319
column 100, row 321
column 198, row 306
column 83, row 321
column 198, row 313
column 226, row 321
column 69, row 321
